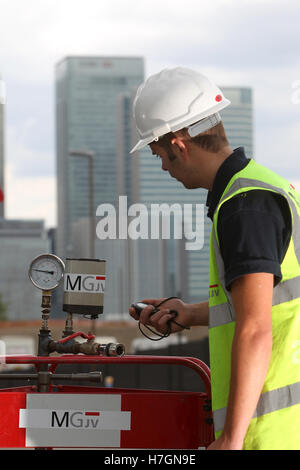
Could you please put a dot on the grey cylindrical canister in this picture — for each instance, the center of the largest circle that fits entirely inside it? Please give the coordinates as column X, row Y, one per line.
column 84, row 283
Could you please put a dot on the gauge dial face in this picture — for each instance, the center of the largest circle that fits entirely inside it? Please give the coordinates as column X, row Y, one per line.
column 46, row 271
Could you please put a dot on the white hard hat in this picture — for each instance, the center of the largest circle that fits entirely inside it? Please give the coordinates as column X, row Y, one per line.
column 174, row 99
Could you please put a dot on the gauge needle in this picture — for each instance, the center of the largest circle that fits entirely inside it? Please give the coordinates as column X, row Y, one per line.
column 42, row 271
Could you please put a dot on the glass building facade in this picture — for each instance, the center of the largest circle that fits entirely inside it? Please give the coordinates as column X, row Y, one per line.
column 238, row 123
column 186, row 272
column 20, row 242
column 87, row 90
column 238, row 118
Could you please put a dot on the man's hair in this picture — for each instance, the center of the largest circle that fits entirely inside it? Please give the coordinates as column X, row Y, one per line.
column 212, row 140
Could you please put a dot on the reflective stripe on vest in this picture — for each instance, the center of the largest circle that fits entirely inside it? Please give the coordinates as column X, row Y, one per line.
column 283, row 292
column 269, row 401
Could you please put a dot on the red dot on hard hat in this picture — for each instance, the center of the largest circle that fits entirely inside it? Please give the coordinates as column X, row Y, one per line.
column 219, row 98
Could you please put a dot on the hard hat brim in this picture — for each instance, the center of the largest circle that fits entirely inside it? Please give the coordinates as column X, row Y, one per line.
column 141, row 144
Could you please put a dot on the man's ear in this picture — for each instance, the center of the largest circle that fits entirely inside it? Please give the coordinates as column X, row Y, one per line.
column 179, row 147
column 179, row 144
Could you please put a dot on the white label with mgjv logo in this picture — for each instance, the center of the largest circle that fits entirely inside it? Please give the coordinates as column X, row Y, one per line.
column 84, row 283
column 71, row 420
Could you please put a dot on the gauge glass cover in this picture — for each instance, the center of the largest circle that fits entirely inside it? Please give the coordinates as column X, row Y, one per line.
column 46, row 271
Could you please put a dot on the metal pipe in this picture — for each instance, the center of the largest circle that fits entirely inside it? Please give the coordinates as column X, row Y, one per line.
column 46, row 377
column 89, row 348
column 18, row 376
column 191, row 362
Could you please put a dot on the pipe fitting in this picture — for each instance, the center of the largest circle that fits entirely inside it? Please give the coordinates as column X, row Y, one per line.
column 90, row 348
column 115, row 349
column 110, row 349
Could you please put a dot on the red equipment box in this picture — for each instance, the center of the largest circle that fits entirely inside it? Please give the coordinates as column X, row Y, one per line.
column 99, row 417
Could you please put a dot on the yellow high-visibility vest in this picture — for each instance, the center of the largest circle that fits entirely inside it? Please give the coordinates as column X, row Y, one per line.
column 276, row 421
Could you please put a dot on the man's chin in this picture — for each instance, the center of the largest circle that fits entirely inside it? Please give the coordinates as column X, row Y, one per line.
column 189, row 186
column 186, row 185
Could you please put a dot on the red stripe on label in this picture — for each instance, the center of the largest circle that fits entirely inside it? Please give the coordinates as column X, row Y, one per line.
column 100, row 278
column 214, row 285
column 92, row 413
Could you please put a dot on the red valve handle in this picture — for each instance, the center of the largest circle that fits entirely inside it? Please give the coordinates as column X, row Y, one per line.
column 74, row 335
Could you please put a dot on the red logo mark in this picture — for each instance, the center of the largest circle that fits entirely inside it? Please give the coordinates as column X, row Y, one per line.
column 219, row 98
column 92, row 413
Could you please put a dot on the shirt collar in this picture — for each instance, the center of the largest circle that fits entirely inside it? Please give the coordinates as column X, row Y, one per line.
column 234, row 163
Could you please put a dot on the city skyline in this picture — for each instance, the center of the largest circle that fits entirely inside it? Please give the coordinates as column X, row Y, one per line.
column 215, row 38
column 51, row 182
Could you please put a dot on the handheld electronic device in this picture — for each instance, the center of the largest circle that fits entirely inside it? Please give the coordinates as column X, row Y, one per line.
column 139, row 306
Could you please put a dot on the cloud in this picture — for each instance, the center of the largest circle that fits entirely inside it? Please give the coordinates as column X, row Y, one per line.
column 30, row 198
column 279, row 147
column 24, row 159
column 250, row 43
column 228, row 33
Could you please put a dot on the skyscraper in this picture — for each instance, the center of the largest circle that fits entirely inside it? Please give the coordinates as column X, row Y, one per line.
column 2, row 105
column 20, row 242
column 87, row 89
column 238, row 122
column 185, row 271
column 238, row 118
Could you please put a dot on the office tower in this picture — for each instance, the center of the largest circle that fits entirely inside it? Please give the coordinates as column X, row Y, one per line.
column 2, row 107
column 87, row 89
column 146, row 264
column 20, row 242
column 238, row 122
column 238, row 118
column 157, row 267
column 181, row 267
column 185, row 272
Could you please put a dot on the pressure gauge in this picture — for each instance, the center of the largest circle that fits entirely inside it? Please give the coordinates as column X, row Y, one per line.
column 46, row 271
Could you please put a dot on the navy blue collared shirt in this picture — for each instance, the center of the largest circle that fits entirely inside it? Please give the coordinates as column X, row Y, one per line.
column 254, row 227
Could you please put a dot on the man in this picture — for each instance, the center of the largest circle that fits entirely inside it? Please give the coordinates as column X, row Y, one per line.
column 254, row 320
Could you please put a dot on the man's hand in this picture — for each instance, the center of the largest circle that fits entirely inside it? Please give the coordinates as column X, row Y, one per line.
column 224, row 444
column 160, row 319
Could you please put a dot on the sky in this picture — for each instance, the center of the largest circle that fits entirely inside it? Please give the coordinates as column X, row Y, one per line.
column 236, row 43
